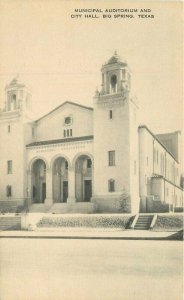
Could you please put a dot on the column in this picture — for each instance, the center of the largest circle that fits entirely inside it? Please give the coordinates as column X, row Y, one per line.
column 49, row 198
column 71, row 185
column 29, row 190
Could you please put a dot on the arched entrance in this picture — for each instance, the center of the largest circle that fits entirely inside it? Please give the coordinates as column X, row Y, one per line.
column 83, row 178
column 60, row 180
column 39, row 181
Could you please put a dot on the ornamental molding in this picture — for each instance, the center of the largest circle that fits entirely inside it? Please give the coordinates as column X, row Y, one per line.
column 68, row 146
column 50, row 149
column 112, row 99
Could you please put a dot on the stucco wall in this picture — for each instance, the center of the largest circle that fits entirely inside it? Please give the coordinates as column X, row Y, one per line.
column 111, row 134
column 12, row 148
column 154, row 159
column 52, row 126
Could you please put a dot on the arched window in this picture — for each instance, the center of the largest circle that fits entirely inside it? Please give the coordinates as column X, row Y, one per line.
column 111, row 185
column 113, row 83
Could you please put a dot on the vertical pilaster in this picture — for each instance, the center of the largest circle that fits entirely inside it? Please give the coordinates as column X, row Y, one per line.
column 71, row 185
column 29, row 189
column 49, row 198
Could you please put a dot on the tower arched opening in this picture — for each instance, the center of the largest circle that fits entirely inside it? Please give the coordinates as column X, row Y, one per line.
column 113, row 84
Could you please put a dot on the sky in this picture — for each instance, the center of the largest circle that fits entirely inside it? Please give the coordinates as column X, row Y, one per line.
column 59, row 57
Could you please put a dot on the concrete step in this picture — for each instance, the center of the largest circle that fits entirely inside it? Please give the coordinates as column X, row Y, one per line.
column 143, row 218
column 143, row 222
column 38, row 207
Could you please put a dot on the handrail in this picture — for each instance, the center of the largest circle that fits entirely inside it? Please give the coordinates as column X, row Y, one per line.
column 153, row 221
column 134, row 221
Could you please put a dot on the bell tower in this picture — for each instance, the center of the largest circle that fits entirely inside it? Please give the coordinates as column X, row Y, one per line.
column 17, row 97
column 115, row 76
column 15, row 132
column 115, row 139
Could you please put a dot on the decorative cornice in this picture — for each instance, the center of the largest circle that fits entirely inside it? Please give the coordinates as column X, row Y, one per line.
column 109, row 99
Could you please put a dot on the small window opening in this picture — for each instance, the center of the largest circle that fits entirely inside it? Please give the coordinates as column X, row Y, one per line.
column 110, row 114
column 111, row 185
column 111, row 158
column 9, row 166
column 33, row 132
column 89, row 163
column 8, row 191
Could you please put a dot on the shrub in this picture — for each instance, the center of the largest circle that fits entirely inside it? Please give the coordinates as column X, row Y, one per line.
column 125, row 203
column 172, row 222
column 85, row 221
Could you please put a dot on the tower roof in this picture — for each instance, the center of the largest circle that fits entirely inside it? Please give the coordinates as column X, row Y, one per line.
column 116, row 59
column 15, row 83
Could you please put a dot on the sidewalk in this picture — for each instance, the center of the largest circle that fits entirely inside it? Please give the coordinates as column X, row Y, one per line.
column 88, row 233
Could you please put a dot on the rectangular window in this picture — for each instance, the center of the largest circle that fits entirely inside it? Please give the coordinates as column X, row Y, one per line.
column 9, row 166
column 33, row 132
column 111, row 185
column 9, row 128
column 64, row 133
column 110, row 114
column 157, row 157
column 111, row 158
column 8, row 191
column 88, row 163
column 70, row 132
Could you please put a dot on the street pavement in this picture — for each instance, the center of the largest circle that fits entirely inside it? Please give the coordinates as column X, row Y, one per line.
column 93, row 233
column 87, row 269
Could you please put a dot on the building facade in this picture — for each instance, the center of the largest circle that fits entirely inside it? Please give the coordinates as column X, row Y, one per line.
column 83, row 159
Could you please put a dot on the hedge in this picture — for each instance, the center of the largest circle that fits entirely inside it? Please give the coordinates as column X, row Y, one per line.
column 169, row 222
column 86, row 221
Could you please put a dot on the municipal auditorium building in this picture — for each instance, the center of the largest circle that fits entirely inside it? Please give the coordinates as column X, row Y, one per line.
column 79, row 159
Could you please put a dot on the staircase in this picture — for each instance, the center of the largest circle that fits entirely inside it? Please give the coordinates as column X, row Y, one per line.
column 10, row 223
column 143, row 222
column 38, row 208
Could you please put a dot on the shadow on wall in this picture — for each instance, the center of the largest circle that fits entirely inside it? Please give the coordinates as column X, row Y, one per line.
column 11, row 206
column 150, row 205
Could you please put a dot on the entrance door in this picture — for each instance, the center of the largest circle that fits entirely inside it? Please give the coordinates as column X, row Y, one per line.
column 87, row 190
column 43, row 192
column 65, row 191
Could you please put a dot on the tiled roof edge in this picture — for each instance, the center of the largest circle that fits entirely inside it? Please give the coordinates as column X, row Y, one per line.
column 156, row 138
column 60, row 141
column 66, row 102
